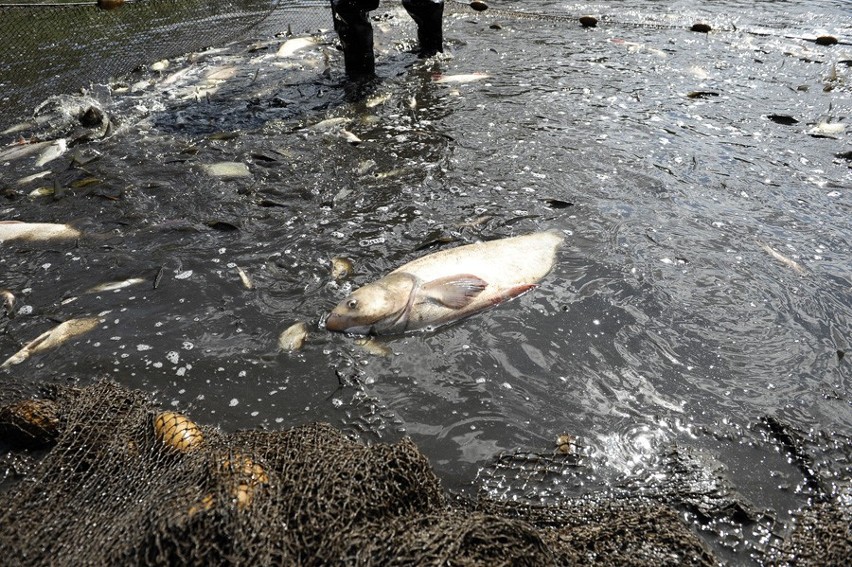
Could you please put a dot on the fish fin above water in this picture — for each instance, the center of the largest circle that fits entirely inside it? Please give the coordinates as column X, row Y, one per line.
column 455, row 291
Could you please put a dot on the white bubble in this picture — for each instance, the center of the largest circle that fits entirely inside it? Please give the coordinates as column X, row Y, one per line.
column 234, row 402
column 173, row 356
column 142, row 348
column 188, row 345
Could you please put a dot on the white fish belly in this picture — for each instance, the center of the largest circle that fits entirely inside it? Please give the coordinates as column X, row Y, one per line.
column 509, row 266
column 503, row 263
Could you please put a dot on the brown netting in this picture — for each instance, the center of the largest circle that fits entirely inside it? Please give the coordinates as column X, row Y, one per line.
column 125, row 482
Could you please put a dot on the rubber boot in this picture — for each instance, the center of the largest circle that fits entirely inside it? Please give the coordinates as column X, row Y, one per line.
column 428, row 15
column 352, row 24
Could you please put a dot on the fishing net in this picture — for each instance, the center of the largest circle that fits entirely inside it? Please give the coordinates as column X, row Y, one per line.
column 101, row 475
column 55, row 46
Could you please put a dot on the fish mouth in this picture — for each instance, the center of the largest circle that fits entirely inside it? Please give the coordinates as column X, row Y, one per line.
column 342, row 324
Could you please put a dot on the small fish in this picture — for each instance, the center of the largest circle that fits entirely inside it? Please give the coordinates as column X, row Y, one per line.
column 8, row 302
column 160, row 66
column 377, row 100
column 227, row 169
column 53, row 151
column 244, row 277
column 293, row 338
column 341, row 268
column 53, row 338
column 291, row 46
column 349, row 137
column 18, row 151
column 459, row 79
column 36, row 231
column 827, row 130
column 329, row 124
column 447, row 286
column 792, row 264
column 114, row 286
column 33, row 177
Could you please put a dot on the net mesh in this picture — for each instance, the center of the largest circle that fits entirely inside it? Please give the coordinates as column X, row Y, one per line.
column 55, row 47
column 113, row 479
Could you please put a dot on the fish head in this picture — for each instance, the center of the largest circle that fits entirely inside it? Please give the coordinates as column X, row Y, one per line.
column 381, row 306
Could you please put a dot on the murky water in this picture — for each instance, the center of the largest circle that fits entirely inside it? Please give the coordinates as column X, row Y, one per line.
column 702, row 182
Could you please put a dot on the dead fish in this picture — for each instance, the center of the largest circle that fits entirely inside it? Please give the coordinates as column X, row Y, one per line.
column 227, row 169
column 341, row 268
column 113, row 286
column 36, row 231
column 447, row 286
column 244, row 277
column 53, row 338
column 8, row 302
column 792, row 264
column 293, row 338
column 349, row 137
column 377, row 100
column 329, row 124
column 18, row 151
column 827, row 130
column 53, row 151
column 33, row 177
column 291, row 46
column 460, row 78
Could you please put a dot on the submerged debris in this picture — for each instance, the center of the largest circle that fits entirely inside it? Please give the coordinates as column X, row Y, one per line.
column 792, row 264
column 30, row 423
column 588, row 21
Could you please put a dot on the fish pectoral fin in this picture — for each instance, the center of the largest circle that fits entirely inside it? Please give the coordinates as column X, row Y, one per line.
column 454, row 292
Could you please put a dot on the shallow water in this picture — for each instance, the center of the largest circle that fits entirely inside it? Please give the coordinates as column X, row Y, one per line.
column 666, row 321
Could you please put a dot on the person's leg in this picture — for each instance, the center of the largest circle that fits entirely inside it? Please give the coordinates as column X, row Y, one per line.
column 428, row 14
column 352, row 24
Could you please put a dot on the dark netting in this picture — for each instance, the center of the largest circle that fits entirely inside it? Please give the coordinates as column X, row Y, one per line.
column 53, row 47
column 113, row 479
column 101, row 475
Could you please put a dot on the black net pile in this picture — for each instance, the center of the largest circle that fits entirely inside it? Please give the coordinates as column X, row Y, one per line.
column 53, row 47
column 102, row 475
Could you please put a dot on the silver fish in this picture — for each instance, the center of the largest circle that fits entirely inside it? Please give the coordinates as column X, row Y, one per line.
column 36, row 231
column 113, row 286
column 53, row 338
column 447, row 286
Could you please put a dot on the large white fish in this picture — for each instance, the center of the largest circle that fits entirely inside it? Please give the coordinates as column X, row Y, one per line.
column 36, row 231
column 447, row 286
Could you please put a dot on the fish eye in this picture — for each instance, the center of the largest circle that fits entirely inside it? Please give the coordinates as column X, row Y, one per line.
column 352, row 304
